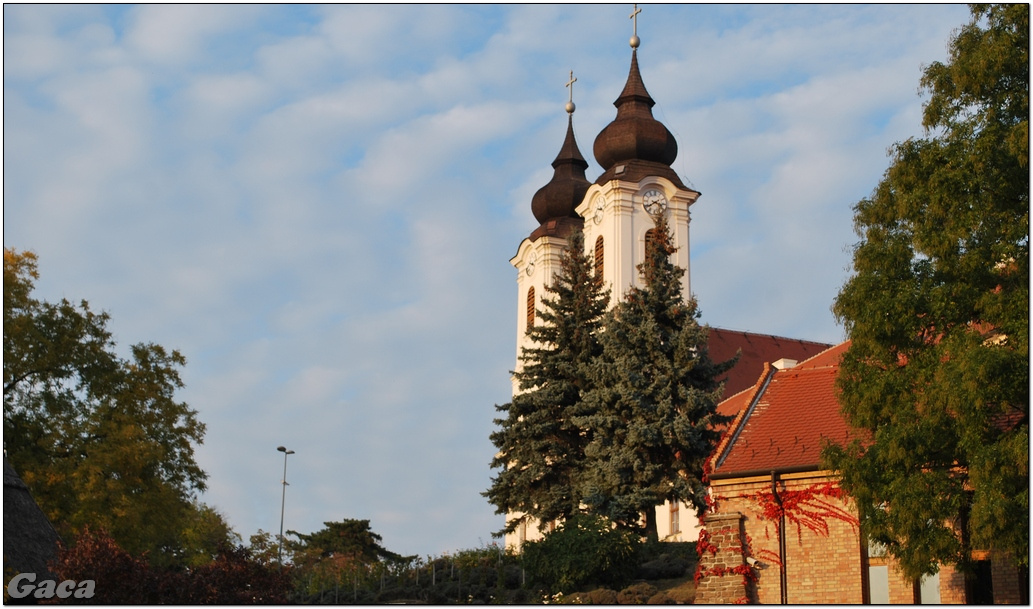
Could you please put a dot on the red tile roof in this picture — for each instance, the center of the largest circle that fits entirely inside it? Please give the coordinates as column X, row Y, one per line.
column 757, row 350
column 786, row 420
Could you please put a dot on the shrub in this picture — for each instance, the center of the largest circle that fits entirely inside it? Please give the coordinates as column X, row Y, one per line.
column 682, row 595
column 584, row 549
column 602, row 596
column 660, row 598
column 664, row 566
column 512, row 577
column 638, row 594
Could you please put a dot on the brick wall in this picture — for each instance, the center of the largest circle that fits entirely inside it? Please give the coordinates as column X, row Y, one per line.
column 758, row 534
column 1011, row 587
column 902, row 589
column 822, row 566
column 721, row 562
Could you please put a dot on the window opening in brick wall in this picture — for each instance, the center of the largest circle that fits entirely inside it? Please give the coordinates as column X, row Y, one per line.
column 979, row 584
column 929, row 589
column 878, row 574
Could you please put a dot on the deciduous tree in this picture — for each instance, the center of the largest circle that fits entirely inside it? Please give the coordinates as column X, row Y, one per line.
column 652, row 409
column 937, row 309
column 100, row 440
column 541, row 447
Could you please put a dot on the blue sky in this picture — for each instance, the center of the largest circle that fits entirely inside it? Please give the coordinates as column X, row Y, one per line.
column 317, row 206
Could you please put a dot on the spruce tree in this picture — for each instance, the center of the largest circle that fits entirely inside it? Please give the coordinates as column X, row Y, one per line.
column 654, row 405
column 540, row 447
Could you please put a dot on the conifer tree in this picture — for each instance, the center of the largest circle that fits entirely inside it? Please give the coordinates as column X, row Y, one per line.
column 937, row 311
column 540, row 447
column 654, row 405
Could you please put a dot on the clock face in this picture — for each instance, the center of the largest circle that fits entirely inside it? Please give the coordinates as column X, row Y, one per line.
column 654, row 202
column 598, row 217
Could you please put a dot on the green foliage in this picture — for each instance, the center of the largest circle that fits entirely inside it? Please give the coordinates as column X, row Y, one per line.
column 346, row 553
column 665, row 566
column 483, row 575
column 347, row 537
column 264, row 547
column 99, row 439
column 480, row 575
column 937, row 310
column 583, row 549
column 205, row 534
column 616, row 412
column 541, row 448
column 653, row 405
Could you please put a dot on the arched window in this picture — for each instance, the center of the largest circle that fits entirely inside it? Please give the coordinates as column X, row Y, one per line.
column 599, row 259
column 530, row 307
column 650, row 239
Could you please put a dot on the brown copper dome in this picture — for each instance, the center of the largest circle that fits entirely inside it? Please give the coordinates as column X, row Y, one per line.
column 568, row 186
column 635, row 134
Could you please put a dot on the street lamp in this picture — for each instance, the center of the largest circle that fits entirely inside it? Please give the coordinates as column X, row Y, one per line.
column 283, row 499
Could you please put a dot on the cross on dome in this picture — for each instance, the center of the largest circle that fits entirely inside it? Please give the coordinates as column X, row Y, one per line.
column 634, row 27
column 570, row 94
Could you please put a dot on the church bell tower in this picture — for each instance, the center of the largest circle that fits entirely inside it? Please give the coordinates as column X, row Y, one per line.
column 635, row 151
column 538, row 257
column 616, row 214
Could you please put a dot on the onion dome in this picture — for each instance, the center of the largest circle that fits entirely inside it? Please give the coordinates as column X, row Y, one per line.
column 554, row 204
column 635, row 140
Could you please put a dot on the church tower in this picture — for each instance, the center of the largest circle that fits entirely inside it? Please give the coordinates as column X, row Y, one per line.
column 616, row 214
column 538, row 257
column 635, row 152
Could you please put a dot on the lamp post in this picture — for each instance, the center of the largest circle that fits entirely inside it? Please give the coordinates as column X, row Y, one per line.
column 283, row 499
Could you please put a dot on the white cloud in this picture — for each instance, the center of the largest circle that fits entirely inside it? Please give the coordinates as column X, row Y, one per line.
column 170, row 36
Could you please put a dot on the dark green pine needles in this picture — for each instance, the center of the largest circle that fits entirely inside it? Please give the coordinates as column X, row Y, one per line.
column 541, row 448
column 616, row 411
column 653, row 401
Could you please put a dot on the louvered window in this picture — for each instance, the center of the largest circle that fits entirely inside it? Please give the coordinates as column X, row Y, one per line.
column 599, row 259
column 650, row 239
column 530, row 307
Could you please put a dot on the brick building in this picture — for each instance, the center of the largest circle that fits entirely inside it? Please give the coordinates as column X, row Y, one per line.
column 766, row 479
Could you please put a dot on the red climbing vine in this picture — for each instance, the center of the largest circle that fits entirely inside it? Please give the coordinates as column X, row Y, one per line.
column 809, row 507
column 812, row 507
column 705, row 546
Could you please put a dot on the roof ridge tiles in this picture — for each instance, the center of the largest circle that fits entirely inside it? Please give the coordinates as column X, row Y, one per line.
column 733, row 430
column 775, row 336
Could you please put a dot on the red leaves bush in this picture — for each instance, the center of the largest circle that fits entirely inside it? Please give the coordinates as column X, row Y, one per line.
column 233, row 578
